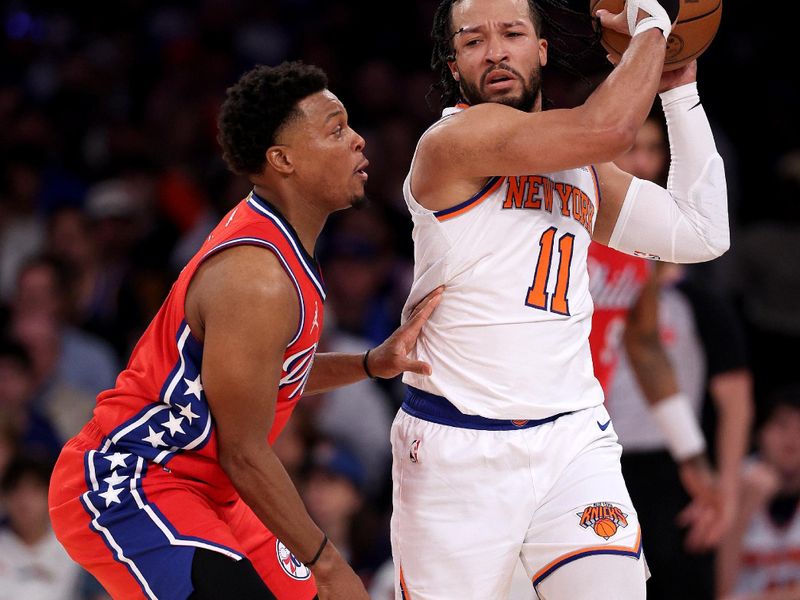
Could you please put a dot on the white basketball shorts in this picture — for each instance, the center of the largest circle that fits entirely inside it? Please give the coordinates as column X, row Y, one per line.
column 472, row 496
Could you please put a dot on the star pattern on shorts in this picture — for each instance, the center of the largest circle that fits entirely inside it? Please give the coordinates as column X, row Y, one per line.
column 117, row 459
column 174, row 424
column 115, row 479
column 194, row 386
column 186, row 411
column 155, row 439
column 111, row 495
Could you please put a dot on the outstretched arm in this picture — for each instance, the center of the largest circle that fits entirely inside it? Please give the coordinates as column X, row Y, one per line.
column 688, row 221
column 333, row 369
column 243, row 351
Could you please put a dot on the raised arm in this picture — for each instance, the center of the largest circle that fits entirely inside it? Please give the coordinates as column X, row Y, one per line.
column 247, row 310
column 688, row 221
column 492, row 139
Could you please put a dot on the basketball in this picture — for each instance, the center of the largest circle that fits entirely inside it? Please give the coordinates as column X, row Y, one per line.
column 693, row 31
column 605, row 528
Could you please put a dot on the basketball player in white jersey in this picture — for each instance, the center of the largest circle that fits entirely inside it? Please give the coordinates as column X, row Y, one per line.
column 505, row 452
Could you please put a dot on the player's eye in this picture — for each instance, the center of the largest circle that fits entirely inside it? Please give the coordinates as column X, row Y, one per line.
column 473, row 42
column 514, row 34
column 338, row 131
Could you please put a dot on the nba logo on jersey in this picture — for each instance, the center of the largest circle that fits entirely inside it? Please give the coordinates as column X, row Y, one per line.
column 604, row 518
column 289, row 563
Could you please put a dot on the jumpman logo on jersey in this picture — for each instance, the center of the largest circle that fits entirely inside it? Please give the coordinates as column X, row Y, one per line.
column 315, row 322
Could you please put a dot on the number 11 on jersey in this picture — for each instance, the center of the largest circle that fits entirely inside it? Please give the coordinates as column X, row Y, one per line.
column 537, row 293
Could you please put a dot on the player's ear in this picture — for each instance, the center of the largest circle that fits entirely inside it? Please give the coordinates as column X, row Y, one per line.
column 542, row 52
column 280, row 159
column 454, row 70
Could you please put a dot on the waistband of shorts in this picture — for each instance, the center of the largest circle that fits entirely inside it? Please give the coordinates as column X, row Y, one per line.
column 438, row 409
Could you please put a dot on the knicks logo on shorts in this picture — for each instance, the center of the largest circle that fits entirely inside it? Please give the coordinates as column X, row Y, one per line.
column 604, row 518
column 289, row 563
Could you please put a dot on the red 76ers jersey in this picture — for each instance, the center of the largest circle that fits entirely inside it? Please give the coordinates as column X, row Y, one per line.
column 158, row 409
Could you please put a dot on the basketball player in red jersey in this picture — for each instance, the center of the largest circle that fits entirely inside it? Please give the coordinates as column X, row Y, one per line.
column 172, row 490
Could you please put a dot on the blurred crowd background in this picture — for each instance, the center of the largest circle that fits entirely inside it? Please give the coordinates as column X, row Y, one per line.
column 111, row 177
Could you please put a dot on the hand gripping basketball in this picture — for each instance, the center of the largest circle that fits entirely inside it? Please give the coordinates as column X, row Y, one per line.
column 658, row 19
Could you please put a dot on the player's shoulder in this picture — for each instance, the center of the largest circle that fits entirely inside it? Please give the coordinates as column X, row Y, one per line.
column 244, row 275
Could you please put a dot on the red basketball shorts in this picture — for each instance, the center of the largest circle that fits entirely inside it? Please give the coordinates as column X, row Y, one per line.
column 135, row 525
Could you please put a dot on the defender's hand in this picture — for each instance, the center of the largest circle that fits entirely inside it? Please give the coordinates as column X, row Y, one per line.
column 391, row 357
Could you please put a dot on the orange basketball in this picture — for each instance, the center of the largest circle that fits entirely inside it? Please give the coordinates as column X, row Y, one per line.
column 695, row 28
column 605, row 528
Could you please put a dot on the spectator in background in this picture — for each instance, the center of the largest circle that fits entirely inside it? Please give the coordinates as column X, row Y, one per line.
column 33, row 565
column 770, row 279
column 294, row 442
column 336, row 497
column 9, row 437
column 333, row 493
column 20, row 422
column 366, row 292
column 359, row 416
column 760, row 560
column 70, row 366
column 21, row 230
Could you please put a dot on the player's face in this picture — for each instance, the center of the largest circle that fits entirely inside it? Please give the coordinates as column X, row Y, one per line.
column 647, row 159
column 498, row 55
column 329, row 156
column 780, row 441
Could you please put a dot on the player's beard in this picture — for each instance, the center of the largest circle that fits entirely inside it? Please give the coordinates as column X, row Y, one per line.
column 525, row 101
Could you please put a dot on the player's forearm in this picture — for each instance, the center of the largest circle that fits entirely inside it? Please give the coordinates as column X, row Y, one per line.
column 264, row 485
column 332, row 370
column 688, row 222
column 648, row 358
column 696, row 174
column 733, row 398
column 623, row 101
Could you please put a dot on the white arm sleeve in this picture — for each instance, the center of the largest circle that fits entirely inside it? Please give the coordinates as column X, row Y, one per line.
column 687, row 222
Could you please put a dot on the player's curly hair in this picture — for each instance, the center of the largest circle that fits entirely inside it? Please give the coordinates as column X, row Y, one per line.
column 545, row 21
column 257, row 106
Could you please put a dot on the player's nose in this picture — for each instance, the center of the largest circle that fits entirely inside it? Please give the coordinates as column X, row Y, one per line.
column 358, row 142
column 496, row 50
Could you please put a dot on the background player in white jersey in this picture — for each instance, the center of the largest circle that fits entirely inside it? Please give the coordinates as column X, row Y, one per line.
column 506, row 451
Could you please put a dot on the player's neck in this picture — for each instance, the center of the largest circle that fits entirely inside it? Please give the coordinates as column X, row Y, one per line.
column 305, row 217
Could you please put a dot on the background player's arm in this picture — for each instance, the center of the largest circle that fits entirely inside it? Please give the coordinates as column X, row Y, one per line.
column 493, row 139
column 688, row 221
column 732, row 394
column 333, row 369
column 707, row 515
column 248, row 308
column 760, row 483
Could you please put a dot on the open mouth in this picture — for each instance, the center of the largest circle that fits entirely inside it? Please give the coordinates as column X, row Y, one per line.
column 361, row 170
column 499, row 79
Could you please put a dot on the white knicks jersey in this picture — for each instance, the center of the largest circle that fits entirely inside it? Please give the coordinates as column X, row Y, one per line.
column 510, row 337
